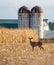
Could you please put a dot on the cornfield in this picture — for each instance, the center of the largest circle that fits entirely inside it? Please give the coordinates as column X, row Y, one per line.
column 22, row 54
column 17, row 35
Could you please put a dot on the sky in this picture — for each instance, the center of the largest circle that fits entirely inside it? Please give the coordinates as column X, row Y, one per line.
column 9, row 8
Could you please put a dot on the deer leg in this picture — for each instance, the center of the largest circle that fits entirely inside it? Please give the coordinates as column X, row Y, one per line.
column 33, row 48
column 41, row 48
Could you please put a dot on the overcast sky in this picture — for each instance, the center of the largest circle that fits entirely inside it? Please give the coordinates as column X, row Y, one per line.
column 9, row 8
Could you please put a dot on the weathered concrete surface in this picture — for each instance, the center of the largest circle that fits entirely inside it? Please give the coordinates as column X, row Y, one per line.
column 22, row 54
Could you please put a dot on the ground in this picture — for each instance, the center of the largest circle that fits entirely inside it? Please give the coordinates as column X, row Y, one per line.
column 15, row 48
column 22, row 54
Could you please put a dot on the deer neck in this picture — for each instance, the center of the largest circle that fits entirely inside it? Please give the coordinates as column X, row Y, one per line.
column 30, row 41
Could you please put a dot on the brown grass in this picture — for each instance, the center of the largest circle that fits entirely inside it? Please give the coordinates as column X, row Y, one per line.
column 17, row 35
column 22, row 54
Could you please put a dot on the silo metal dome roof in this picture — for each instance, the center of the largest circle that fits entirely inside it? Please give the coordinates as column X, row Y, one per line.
column 37, row 9
column 24, row 9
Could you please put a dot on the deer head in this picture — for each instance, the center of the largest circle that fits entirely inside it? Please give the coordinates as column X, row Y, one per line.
column 30, row 38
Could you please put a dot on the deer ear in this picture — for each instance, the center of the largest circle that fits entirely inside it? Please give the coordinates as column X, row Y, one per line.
column 31, row 37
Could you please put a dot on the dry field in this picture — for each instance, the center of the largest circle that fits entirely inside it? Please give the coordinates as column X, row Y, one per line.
column 17, row 35
column 14, row 50
column 22, row 54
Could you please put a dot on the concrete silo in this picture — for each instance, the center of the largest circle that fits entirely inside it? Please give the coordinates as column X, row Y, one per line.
column 23, row 17
column 37, row 20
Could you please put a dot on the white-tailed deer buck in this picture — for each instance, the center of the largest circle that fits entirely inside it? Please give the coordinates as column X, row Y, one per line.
column 34, row 44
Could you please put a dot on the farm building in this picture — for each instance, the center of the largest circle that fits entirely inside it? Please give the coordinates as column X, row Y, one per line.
column 32, row 19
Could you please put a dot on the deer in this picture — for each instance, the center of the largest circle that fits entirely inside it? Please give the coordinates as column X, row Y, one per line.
column 34, row 44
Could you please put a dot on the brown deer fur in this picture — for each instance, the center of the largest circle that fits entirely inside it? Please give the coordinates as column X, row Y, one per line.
column 34, row 44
